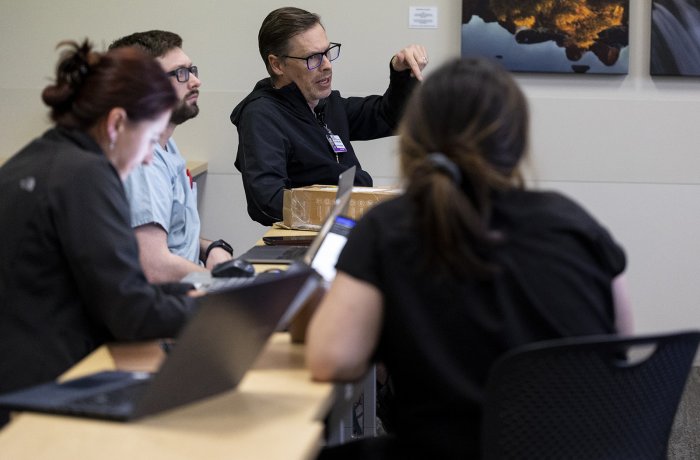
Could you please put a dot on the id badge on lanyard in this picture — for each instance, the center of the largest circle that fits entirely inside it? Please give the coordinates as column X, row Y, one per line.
column 336, row 144
column 334, row 140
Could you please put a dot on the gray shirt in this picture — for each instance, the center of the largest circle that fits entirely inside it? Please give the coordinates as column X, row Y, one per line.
column 162, row 193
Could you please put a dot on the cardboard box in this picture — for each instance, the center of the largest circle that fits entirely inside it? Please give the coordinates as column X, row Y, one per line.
column 306, row 208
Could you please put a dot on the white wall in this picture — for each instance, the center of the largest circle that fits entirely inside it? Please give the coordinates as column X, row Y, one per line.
column 624, row 146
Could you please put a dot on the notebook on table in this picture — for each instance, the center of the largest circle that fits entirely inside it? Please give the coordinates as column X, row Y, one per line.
column 288, row 254
column 215, row 349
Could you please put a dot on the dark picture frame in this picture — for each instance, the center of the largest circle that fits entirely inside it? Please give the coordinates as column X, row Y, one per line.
column 675, row 38
column 564, row 36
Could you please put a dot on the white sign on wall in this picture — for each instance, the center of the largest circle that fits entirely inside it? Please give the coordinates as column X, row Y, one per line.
column 422, row 17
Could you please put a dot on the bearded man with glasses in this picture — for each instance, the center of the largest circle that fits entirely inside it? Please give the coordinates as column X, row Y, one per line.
column 293, row 129
column 162, row 196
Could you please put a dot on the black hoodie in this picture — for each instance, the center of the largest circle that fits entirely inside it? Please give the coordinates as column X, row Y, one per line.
column 282, row 143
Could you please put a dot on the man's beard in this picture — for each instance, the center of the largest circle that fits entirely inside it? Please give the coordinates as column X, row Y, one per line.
column 183, row 112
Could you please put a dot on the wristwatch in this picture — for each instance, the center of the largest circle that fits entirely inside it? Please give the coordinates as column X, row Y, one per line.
column 218, row 244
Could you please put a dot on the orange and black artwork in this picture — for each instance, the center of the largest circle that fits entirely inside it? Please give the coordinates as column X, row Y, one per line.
column 561, row 36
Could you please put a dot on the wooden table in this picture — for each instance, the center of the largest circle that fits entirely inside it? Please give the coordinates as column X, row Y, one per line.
column 276, row 413
column 197, row 167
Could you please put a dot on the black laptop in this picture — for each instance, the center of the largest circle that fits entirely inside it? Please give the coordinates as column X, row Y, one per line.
column 217, row 346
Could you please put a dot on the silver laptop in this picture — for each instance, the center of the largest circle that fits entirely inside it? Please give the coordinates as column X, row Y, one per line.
column 289, row 254
column 218, row 345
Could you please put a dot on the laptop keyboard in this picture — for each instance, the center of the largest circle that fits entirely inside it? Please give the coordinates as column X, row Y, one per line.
column 294, row 252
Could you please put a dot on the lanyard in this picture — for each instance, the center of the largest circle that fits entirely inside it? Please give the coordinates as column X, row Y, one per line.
column 333, row 139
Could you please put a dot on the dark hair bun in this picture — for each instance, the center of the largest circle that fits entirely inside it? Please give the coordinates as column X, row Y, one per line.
column 71, row 72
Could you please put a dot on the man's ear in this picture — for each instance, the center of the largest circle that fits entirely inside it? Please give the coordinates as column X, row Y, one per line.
column 275, row 64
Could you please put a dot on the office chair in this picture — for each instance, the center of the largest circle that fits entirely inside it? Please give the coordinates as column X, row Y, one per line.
column 595, row 397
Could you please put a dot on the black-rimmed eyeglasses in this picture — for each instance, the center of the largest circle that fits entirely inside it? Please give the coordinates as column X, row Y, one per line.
column 183, row 73
column 315, row 60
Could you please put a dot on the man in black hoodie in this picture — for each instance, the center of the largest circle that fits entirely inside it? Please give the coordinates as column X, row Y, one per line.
column 293, row 129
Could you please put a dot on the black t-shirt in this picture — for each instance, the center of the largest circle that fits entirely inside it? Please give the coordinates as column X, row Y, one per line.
column 440, row 336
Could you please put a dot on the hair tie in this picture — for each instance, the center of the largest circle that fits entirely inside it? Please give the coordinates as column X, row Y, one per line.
column 446, row 166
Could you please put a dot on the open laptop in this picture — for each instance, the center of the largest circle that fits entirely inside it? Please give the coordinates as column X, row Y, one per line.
column 288, row 254
column 329, row 249
column 215, row 349
column 323, row 262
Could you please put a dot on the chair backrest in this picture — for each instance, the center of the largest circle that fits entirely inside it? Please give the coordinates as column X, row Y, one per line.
column 595, row 397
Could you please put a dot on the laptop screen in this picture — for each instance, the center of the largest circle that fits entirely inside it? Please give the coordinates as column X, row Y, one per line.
column 342, row 200
column 327, row 255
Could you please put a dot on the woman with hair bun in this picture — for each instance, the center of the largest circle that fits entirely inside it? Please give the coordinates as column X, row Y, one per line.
column 465, row 265
column 70, row 278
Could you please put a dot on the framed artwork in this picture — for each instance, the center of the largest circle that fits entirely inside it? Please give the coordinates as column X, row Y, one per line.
column 675, row 38
column 559, row 36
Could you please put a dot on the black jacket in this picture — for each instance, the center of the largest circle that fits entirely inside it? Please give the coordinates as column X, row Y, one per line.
column 282, row 144
column 70, row 277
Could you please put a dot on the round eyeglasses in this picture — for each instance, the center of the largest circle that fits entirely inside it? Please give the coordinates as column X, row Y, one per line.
column 183, row 73
column 315, row 60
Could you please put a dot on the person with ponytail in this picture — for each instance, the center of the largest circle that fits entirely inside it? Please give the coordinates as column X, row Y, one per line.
column 70, row 278
column 466, row 264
